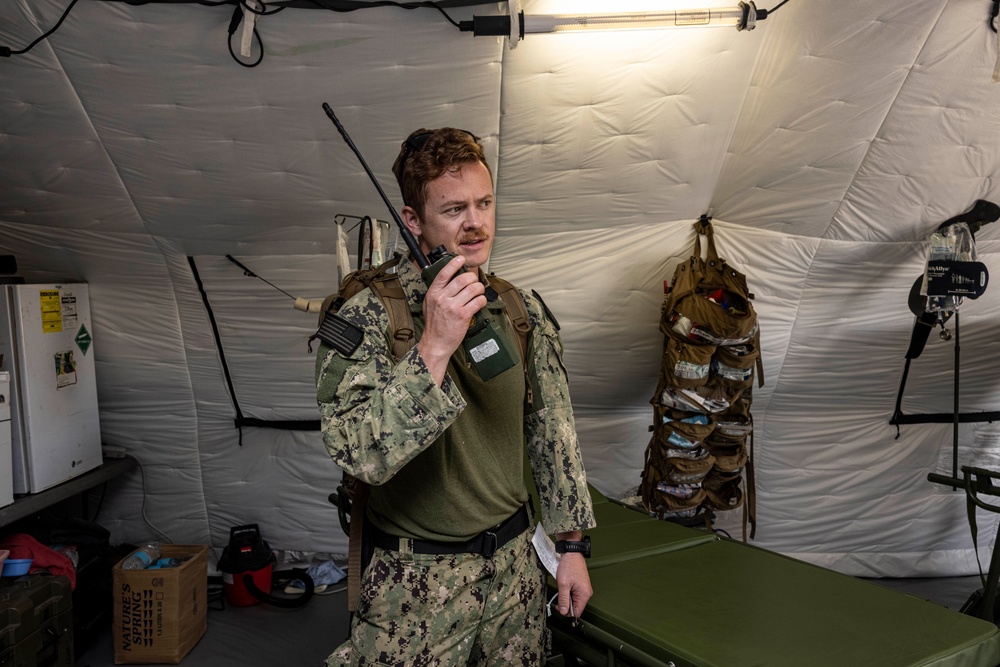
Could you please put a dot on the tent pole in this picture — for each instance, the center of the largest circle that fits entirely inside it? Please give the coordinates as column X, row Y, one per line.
column 954, row 442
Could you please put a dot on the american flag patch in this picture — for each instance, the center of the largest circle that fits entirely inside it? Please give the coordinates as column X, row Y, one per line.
column 340, row 334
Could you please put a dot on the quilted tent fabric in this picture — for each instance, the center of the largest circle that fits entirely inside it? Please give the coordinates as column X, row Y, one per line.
column 826, row 144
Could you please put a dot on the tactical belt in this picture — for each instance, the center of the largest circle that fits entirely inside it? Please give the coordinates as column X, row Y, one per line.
column 485, row 543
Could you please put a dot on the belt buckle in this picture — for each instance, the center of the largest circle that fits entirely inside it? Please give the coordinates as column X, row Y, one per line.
column 489, row 544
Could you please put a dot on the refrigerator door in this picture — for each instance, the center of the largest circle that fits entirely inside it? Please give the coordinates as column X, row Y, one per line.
column 57, row 433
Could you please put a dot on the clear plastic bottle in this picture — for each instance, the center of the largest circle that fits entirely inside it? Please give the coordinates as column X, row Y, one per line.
column 142, row 557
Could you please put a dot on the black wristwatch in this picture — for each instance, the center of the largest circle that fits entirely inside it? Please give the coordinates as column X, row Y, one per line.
column 574, row 547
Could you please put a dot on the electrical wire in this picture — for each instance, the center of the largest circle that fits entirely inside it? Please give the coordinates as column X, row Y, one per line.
column 234, row 23
column 142, row 509
column 100, row 504
column 389, row 3
column 6, row 52
column 247, row 272
column 260, row 12
column 776, row 7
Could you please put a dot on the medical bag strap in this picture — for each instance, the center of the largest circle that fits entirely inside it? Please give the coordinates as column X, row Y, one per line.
column 750, row 503
column 760, row 357
column 704, row 226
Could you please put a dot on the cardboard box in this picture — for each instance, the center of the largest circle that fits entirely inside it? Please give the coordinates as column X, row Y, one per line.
column 159, row 615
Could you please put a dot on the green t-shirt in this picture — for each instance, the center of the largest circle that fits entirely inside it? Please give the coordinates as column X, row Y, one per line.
column 472, row 477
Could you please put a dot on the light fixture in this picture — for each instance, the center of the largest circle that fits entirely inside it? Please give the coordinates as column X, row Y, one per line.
column 743, row 17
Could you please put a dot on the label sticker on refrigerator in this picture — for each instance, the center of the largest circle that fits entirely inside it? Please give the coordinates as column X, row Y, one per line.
column 83, row 339
column 68, row 303
column 65, row 369
column 51, row 311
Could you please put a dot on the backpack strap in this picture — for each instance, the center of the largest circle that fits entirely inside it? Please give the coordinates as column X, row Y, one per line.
column 390, row 292
column 516, row 310
column 358, row 491
column 518, row 314
column 352, row 283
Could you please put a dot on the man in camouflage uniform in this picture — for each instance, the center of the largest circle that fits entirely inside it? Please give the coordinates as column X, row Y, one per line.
column 444, row 450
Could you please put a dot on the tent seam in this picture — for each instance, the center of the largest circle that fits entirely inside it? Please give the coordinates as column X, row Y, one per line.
column 878, row 132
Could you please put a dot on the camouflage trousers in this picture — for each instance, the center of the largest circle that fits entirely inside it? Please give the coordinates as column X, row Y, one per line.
column 419, row 610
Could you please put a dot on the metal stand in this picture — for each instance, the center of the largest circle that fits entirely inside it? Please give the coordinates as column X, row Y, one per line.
column 954, row 436
column 982, row 603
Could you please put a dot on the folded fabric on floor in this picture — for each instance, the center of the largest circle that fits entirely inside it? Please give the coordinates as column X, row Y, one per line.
column 323, row 574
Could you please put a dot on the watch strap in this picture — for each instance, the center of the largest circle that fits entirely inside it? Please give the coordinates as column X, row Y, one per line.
column 574, row 546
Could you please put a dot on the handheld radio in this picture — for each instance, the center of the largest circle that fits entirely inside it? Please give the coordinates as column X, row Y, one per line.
column 487, row 351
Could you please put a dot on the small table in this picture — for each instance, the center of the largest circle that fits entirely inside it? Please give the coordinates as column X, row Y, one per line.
column 35, row 502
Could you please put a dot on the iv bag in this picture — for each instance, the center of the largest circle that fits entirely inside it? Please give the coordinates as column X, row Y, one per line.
column 954, row 242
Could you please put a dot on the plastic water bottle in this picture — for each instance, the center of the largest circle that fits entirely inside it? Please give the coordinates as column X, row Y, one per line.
column 141, row 558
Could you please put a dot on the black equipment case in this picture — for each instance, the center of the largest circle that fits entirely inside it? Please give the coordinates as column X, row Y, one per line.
column 36, row 621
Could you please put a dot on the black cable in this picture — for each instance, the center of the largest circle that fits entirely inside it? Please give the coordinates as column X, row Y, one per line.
column 218, row 344
column 6, row 52
column 100, row 504
column 259, row 12
column 234, row 23
column 344, row 7
column 776, row 7
column 242, row 420
column 247, row 272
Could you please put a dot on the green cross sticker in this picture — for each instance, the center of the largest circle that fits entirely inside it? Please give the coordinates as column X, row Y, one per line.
column 83, row 339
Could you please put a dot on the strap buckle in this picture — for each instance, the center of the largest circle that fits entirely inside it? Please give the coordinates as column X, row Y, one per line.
column 490, row 542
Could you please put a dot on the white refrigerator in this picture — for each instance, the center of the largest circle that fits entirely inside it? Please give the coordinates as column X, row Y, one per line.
column 46, row 339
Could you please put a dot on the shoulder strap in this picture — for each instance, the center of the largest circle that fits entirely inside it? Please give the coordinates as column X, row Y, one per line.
column 518, row 314
column 390, row 291
column 356, row 562
column 516, row 310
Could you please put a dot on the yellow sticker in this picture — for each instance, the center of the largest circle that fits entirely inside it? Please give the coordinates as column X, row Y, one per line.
column 51, row 311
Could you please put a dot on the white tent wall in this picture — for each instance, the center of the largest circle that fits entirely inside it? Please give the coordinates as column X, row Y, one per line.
column 827, row 144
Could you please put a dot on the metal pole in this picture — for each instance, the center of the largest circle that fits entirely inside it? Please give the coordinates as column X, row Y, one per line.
column 954, row 442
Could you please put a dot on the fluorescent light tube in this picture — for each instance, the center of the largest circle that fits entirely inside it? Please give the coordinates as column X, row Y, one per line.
column 743, row 17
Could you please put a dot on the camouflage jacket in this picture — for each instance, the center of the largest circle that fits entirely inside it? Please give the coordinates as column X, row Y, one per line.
column 377, row 413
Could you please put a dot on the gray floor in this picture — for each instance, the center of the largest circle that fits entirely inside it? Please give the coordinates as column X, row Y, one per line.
column 258, row 636
column 263, row 635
